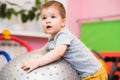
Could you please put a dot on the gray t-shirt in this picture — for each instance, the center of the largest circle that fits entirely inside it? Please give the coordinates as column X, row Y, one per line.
column 77, row 54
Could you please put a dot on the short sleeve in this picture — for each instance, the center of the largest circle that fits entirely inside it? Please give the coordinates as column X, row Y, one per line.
column 64, row 38
column 46, row 47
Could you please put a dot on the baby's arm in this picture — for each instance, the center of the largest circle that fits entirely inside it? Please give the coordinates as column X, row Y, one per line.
column 53, row 55
column 41, row 50
column 49, row 57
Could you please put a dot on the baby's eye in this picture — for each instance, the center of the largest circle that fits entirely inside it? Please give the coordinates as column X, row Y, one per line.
column 43, row 18
column 53, row 17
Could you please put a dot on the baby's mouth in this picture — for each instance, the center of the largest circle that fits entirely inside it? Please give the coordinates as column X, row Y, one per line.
column 49, row 27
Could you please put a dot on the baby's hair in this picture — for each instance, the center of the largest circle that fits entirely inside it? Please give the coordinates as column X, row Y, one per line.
column 55, row 4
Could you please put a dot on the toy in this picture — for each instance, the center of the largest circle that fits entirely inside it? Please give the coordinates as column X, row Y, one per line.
column 8, row 58
column 12, row 45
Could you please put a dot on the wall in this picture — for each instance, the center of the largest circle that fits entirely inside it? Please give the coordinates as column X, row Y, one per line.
column 83, row 9
column 34, row 42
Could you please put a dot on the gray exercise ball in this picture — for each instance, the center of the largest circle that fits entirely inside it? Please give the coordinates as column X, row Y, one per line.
column 59, row 70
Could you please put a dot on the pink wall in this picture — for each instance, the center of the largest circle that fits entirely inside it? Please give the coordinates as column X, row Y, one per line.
column 34, row 42
column 83, row 9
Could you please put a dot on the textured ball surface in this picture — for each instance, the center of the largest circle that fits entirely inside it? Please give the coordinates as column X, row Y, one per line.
column 59, row 70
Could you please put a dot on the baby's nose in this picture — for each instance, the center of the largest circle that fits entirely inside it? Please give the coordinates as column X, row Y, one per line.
column 48, row 20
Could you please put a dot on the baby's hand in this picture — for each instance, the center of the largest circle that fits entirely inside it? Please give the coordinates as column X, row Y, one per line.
column 30, row 65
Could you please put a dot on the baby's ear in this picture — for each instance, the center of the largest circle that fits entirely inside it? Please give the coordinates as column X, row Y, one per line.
column 64, row 22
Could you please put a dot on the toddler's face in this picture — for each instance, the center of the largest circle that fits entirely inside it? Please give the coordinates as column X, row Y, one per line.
column 52, row 21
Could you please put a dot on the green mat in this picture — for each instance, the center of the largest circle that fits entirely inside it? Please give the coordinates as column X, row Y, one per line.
column 102, row 35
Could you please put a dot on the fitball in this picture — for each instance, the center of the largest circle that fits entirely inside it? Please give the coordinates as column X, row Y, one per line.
column 58, row 70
